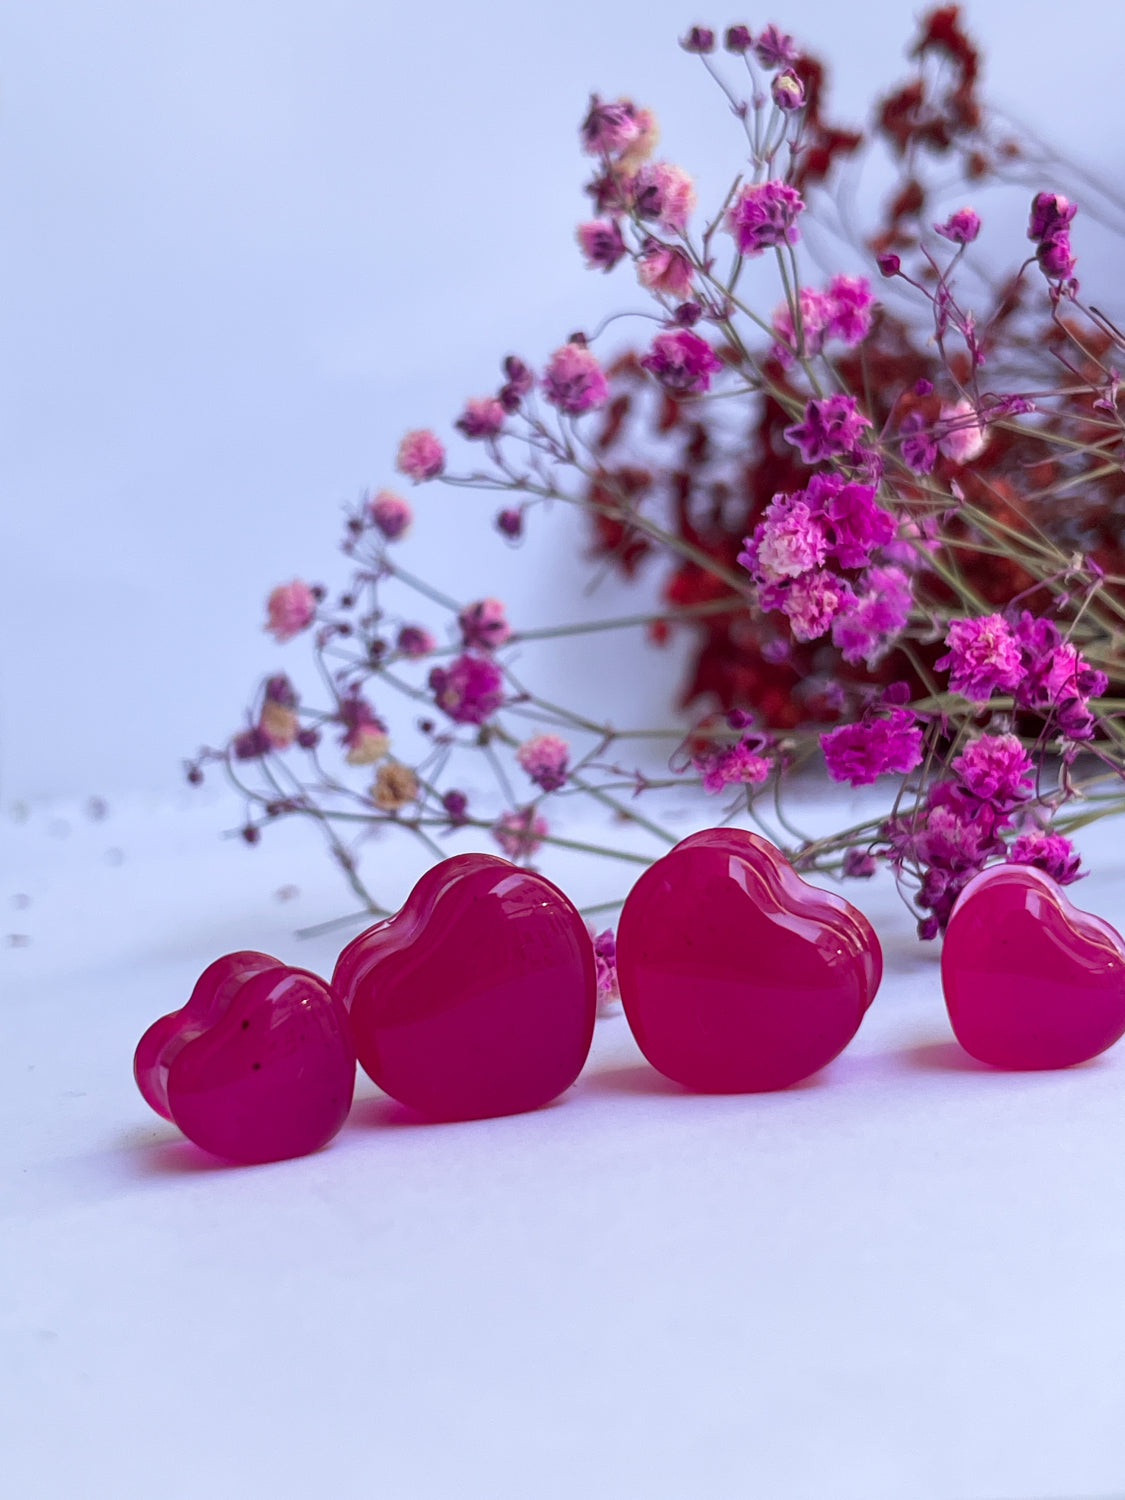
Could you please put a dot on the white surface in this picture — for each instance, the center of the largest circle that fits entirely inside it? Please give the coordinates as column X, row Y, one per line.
column 253, row 241
column 902, row 1281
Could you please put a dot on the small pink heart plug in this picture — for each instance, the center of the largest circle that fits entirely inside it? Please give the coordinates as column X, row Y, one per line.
column 257, row 1066
column 478, row 998
column 736, row 976
column 1030, row 981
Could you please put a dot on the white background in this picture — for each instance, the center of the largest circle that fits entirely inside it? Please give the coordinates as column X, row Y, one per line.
column 249, row 242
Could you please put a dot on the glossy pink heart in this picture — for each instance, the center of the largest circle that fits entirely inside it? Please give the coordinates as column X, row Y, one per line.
column 736, row 976
column 1030, row 981
column 478, row 998
column 257, row 1066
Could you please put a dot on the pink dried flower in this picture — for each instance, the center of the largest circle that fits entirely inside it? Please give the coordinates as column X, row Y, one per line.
column 519, row 833
column 391, row 514
column 291, row 608
column 813, row 601
column 918, row 448
column 958, row 835
column 484, row 624
column 851, row 304
column 859, row 753
column 983, row 658
column 997, row 769
column 764, row 215
column 664, row 268
column 787, row 542
column 787, row 91
column 483, row 417
column 682, row 362
column 574, row 381
column 859, row 864
column 816, row 310
column 832, row 427
column 420, row 455
column 734, row 765
column 961, row 435
column 961, row 227
column 856, row 524
column 544, row 757
column 470, row 690
column 605, row 964
column 641, row 148
column 414, row 641
column 1050, row 852
column 601, row 243
column 738, row 40
column 1051, row 215
column 665, row 193
column 609, row 127
column 869, row 625
column 774, row 49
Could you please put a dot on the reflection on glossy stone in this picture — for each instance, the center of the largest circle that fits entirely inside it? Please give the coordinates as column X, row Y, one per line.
column 737, row 976
column 478, row 998
column 1030, row 981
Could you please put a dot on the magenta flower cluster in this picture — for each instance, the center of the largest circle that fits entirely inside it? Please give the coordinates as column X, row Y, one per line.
column 841, row 311
column 790, row 557
column 874, row 746
column 1029, row 660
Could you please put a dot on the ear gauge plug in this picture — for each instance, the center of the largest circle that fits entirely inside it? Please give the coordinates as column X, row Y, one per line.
column 735, row 975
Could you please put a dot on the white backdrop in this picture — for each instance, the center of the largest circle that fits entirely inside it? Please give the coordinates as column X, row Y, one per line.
column 249, row 242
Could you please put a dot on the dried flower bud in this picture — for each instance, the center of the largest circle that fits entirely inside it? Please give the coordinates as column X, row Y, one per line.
column 308, row 739
column 391, row 514
column 699, row 39
column 456, row 805
column 787, row 90
column 889, row 264
column 961, row 227
column 483, row 417
column 738, row 39
column 510, row 522
column 414, row 641
column 859, row 864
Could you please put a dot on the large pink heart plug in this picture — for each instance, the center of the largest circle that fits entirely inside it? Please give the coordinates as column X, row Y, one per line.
column 1030, row 981
column 257, row 1066
column 478, row 998
column 737, row 976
